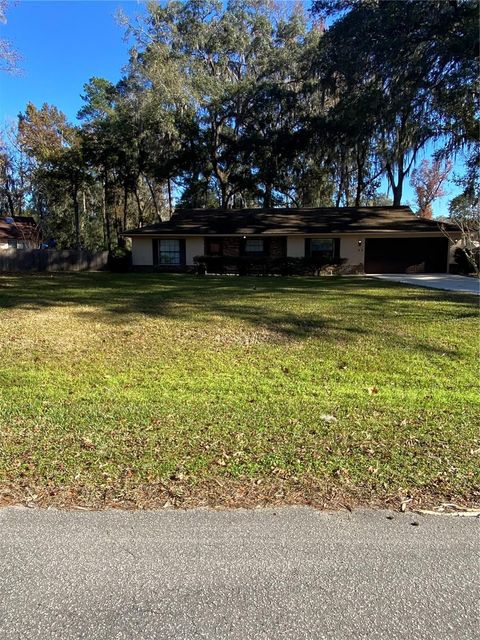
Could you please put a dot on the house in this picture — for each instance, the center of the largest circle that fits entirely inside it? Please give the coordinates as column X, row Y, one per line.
column 369, row 239
column 20, row 232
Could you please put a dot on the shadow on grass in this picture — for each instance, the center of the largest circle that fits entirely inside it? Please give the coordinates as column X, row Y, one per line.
column 291, row 307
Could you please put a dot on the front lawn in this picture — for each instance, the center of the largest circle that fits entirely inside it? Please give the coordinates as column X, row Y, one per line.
column 146, row 389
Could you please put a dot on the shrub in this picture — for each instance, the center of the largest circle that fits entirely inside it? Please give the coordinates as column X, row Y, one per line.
column 464, row 264
column 119, row 259
column 259, row 265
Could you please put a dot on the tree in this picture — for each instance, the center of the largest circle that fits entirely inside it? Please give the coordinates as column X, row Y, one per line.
column 120, row 140
column 253, row 103
column 9, row 58
column 464, row 214
column 227, row 73
column 428, row 181
column 411, row 66
column 281, row 165
column 14, row 183
column 53, row 147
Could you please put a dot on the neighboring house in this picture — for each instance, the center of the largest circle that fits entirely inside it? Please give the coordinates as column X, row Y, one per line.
column 20, row 232
column 372, row 239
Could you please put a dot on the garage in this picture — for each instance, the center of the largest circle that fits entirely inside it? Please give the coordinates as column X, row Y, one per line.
column 406, row 255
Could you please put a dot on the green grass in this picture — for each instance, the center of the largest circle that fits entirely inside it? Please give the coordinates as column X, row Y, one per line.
column 138, row 388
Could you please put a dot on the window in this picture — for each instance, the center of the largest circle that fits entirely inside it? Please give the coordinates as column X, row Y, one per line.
column 254, row 247
column 322, row 248
column 214, row 247
column 169, row 252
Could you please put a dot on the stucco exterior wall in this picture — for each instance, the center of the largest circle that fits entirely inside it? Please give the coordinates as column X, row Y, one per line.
column 193, row 247
column 296, row 246
column 351, row 251
column 352, row 248
column 142, row 252
column 142, row 255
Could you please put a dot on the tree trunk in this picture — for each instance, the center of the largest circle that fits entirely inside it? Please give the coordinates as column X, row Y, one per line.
column 397, row 186
column 169, row 187
column 341, row 182
column 222, row 176
column 125, row 206
column 76, row 213
column 139, row 207
column 397, row 193
column 123, row 225
column 223, row 191
column 11, row 206
column 360, row 181
column 393, row 185
column 154, row 198
column 267, row 196
column 339, row 191
column 106, row 219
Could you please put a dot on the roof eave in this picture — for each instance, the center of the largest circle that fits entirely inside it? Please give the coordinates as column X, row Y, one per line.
column 352, row 232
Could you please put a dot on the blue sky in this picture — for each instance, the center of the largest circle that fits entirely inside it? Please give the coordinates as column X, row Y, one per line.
column 64, row 43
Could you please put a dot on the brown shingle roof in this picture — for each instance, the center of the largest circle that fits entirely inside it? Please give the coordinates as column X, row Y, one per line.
column 289, row 221
column 18, row 228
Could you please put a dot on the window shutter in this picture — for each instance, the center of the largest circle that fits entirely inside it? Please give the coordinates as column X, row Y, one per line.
column 267, row 243
column 308, row 251
column 243, row 244
column 336, row 249
column 183, row 254
column 155, row 251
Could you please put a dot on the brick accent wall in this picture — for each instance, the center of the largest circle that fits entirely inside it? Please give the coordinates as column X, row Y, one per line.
column 277, row 247
column 231, row 247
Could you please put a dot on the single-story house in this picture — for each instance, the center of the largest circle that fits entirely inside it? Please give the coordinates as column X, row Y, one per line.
column 372, row 239
column 20, row 232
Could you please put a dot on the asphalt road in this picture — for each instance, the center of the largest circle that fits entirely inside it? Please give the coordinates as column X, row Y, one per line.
column 263, row 574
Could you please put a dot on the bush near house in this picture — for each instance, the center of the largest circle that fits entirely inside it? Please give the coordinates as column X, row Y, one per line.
column 119, row 260
column 464, row 263
column 259, row 265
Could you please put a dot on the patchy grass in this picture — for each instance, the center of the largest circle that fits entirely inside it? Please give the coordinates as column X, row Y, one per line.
column 142, row 389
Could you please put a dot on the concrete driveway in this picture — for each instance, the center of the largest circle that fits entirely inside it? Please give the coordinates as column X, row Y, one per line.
column 444, row 281
column 288, row 574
